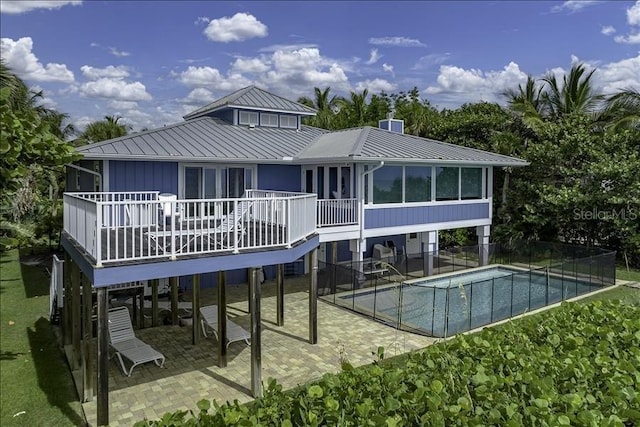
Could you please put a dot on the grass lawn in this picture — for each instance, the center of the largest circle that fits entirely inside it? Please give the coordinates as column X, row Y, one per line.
column 35, row 377
column 632, row 275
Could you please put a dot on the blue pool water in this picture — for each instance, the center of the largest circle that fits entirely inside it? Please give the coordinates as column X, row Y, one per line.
column 455, row 303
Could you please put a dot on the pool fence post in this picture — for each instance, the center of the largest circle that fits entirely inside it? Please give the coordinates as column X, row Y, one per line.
column 493, row 288
column 511, row 312
column 446, row 311
column 547, row 289
column 470, row 302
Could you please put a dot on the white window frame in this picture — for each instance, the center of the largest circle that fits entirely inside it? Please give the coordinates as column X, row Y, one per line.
column 288, row 116
column 246, row 120
column 270, row 116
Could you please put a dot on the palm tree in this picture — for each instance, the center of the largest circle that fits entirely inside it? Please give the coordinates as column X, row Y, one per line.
column 622, row 110
column 102, row 130
column 575, row 95
column 325, row 104
column 355, row 108
column 527, row 101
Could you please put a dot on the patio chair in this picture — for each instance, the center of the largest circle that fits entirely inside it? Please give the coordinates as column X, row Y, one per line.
column 125, row 343
column 209, row 319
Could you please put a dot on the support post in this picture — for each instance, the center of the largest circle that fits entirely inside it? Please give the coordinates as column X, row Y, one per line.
column 313, row 297
column 154, row 302
column 195, row 309
column 431, row 244
column 87, row 335
column 280, row 294
column 66, row 309
column 256, row 342
column 173, row 283
column 483, row 232
column 334, row 262
column 222, row 319
column 103, row 357
column 75, row 316
column 141, row 307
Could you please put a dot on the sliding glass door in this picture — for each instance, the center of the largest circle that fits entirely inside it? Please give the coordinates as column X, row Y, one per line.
column 215, row 182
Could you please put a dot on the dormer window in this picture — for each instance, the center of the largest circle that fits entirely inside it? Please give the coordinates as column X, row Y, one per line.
column 269, row 120
column 248, row 118
column 288, row 121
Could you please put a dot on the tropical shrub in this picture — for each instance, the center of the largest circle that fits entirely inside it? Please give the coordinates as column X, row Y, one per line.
column 578, row 365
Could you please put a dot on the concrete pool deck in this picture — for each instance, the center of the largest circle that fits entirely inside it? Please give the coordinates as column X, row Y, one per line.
column 191, row 372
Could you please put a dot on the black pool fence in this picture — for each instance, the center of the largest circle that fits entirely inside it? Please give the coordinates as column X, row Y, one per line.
column 532, row 275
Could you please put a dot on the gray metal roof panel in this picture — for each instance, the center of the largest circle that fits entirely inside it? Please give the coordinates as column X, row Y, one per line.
column 206, row 138
column 369, row 143
column 254, row 98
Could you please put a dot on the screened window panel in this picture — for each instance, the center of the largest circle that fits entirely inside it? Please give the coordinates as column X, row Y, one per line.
column 417, row 184
column 387, row 185
column 288, row 121
column 248, row 118
column 447, row 180
column 471, row 183
column 268, row 119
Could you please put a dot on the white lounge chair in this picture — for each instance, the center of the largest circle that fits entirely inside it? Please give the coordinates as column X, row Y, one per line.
column 125, row 343
column 209, row 319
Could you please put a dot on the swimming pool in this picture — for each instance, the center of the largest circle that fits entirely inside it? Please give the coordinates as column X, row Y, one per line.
column 448, row 304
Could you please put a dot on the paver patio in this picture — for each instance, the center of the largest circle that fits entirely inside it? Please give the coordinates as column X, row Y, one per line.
column 191, row 372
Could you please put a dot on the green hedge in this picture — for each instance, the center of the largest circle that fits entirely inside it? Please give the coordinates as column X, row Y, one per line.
column 578, row 365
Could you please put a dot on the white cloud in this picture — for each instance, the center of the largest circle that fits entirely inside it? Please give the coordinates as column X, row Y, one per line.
column 201, row 20
column 573, row 6
column 110, row 71
column 115, row 89
column 459, row 84
column 633, row 14
column 239, row 27
column 388, row 68
column 376, row 85
column 607, row 30
column 249, row 65
column 18, row 55
column 112, row 50
column 614, row 76
column 275, row 47
column 373, row 57
column 428, row 61
column 212, row 78
column 199, row 96
column 633, row 38
column 119, row 53
column 123, row 105
column 16, row 6
column 396, row 41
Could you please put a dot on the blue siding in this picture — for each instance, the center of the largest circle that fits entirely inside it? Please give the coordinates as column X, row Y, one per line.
column 279, row 177
column 406, row 215
column 143, row 176
column 397, row 126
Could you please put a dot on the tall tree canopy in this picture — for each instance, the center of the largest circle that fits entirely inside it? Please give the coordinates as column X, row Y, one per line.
column 31, row 161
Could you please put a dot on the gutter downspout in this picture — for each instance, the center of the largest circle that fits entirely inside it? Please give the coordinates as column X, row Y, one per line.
column 362, row 176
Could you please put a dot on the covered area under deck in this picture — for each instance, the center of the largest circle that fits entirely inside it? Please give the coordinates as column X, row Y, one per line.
column 191, row 372
column 90, row 272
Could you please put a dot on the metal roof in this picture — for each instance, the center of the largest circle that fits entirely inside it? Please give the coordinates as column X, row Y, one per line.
column 373, row 144
column 213, row 139
column 253, row 98
column 206, row 139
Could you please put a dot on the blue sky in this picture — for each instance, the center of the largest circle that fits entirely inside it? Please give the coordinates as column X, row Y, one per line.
column 152, row 62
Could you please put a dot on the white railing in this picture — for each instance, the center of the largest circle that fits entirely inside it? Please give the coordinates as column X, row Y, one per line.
column 55, row 287
column 336, row 212
column 121, row 228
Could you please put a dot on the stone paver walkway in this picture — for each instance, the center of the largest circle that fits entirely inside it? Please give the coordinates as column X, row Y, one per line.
column 191, row 373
